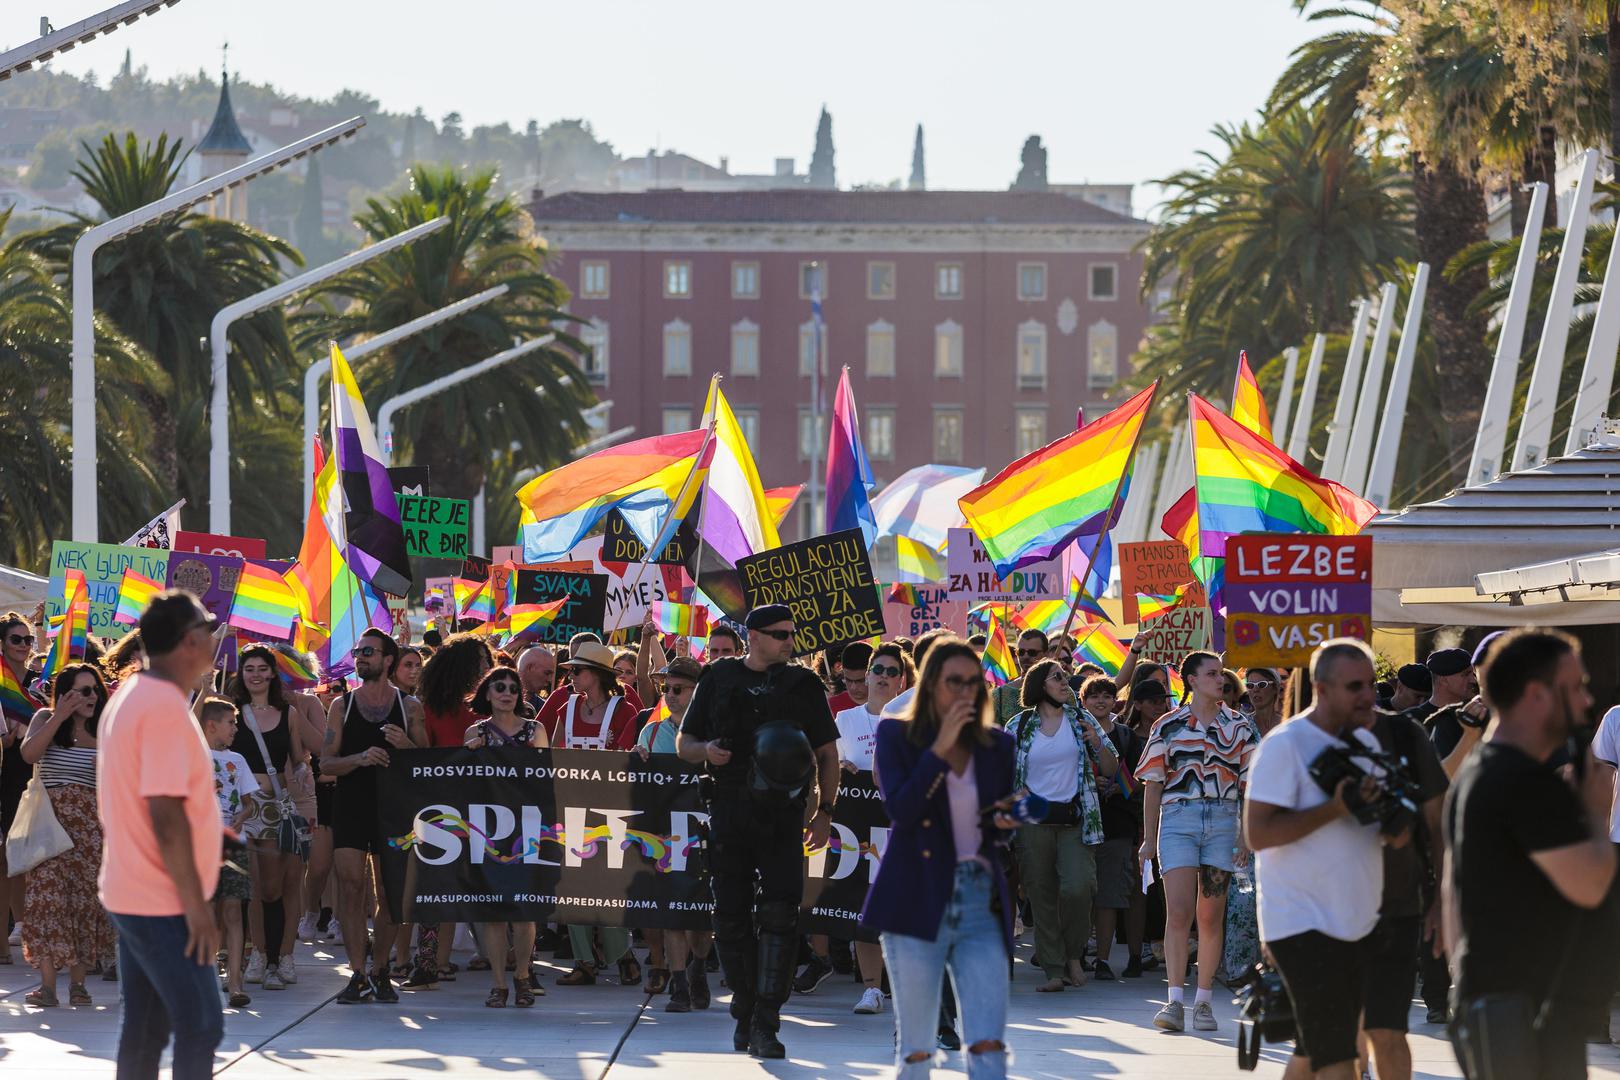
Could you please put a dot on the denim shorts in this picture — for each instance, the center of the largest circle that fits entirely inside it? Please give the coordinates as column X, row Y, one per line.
column 1198, row 832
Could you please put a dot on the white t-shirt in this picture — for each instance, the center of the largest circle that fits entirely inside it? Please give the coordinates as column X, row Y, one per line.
column 896, row 709
column 233, row 782
column 857, row 736
column 1606, row 748
column 1053, row 768
column 1331, row 881
column 962, row 794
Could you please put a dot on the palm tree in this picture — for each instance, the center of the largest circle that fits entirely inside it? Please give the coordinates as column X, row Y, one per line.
column 161, row 287
column 532, row 407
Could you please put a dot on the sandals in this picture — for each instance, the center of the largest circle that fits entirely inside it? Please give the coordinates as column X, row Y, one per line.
column 523, row 993
column 629, row 970
column 78, row 995
column 1050, row 986
column 657, row 980
column 239, row 1000
column 582, row 975
column 478, row 963
column 496, row 999
column 41, row 998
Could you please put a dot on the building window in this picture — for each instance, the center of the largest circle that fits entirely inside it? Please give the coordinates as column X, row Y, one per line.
column 1102, row 352
column 1032, row 356
column 677, row 418
column 812, row 434
column 879, row 440
column 677, row 348
column 593, row 279
column 1104, row 282
column 947, row 433
column 812, row 275
column 880, row 350
column 745, row 348
column 947, row 281
column 1032, row 281
column 748, row 421
column 1031, row 433
column 594, row 361
column 807, row 350
column 677, row 280
column 880, row 281
column 948, row 350
column 745, row 281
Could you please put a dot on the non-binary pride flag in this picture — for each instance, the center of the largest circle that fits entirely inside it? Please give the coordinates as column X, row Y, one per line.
column 999, row 667
column 1031, row 509
column 1245, row 484
column 1248, row 407
column 135, row 591
column 264, row 604
column 374, row 539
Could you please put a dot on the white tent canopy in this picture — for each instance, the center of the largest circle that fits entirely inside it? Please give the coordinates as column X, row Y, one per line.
column 20, row 590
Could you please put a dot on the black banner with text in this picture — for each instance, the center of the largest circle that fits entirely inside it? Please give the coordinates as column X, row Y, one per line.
column 586, row 836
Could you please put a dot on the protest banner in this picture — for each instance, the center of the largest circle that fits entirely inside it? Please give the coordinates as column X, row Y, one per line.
column 1158, row 567
column 620, row 544
column 241, row 547
column 1288, row 593
column 590, row 837
column 210, row 578
column 973, row 575
column 632, row 588
column 935, row 608
column 826, row 580
column 586, row 607
column 434, row 528
column 103, row 566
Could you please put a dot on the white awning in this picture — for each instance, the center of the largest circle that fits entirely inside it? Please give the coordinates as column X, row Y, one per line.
column 20, row 590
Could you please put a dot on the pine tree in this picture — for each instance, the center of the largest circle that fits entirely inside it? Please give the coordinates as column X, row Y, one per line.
column 407, row 149
column 919, row 178
column 822, row 172
column 1032, row 166
column 311, row 224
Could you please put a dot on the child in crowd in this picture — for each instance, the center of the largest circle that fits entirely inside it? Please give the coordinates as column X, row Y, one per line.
column 235, row 786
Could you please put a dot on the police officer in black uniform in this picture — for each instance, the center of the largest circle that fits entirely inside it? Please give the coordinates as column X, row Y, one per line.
column 762, row 728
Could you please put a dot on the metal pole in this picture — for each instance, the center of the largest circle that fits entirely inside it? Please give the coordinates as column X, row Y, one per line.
column 815, row 396
column 219, row 413
column 1361, row 431
column 84, row 330
column 82, row 32
column 1491, row 438
column 1381, row 477
column 385, row 415
column 1299, row 441
column 320, row 366
column 1535, row 426
column 478, row 510
column 1597, row 375
column 1167, row 493
column 1339, row 428
column 1285, row 396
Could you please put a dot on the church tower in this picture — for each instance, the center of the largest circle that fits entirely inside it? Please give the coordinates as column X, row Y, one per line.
column 224, row 147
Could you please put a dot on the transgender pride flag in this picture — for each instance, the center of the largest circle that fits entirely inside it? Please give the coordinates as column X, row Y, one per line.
column 849, row 473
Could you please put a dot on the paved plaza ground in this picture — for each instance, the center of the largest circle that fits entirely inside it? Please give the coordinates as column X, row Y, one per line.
column 587, row 1033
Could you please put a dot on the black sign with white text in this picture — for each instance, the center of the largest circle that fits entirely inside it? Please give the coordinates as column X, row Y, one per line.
column 826, row 580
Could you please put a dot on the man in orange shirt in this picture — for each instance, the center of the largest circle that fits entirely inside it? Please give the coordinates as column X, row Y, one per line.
column 162, row 845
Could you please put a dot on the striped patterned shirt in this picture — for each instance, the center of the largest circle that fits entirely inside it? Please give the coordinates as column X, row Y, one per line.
column 1199, row 761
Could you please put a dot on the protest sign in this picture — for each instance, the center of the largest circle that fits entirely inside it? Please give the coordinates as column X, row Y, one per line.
column 935, row 608
column 1168, row 638
column 1159, row 567
column 973, row 575
column 632, row 588
column 475, row 568
column 241, row 547
column 586, row 607
column 620, row 544
column 210, row 578
column 434, row 528
column 826, row 580
column 512, row 553
column 409, row 479
column 103, row 566
column 590, row 837
column 1287, row 593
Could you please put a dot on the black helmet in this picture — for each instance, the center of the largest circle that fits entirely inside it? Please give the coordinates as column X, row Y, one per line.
column 783, row 762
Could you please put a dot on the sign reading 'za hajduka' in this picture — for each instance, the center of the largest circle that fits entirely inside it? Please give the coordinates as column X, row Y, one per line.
column 973, row 576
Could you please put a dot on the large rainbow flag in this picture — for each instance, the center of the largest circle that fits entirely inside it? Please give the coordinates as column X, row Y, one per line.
column 1248, row 407
column 1034, row 507
column 1102, row 648
column 135, row 591
column 264, row 604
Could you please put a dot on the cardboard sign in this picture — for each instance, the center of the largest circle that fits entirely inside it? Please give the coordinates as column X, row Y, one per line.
column 1158, row 566
column 240, row 547
column 973, row 575
column 409, row 479
column 500, row 573
column 210, row 578
column 826, row 580
column 1287, row 593
column 103, row 566
column 476, row 568
column 586, row 607
column 434, row 528
column 1179, row 631
column 512, row 553
column 448, row 591
column 620, row 544
column 632, row 588
column 936, row 609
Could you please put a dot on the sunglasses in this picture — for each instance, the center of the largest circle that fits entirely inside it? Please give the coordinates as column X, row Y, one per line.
column 882, row 671
column 21, row 639
column 677, row 688
column 779, row 635
column 1258, row 684
column 505, row 688
column 364, row 650
column 1031, row 652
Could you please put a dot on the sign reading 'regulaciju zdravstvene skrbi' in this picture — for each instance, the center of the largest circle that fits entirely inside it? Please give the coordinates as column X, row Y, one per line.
column 1288, row 593
column 826, row 580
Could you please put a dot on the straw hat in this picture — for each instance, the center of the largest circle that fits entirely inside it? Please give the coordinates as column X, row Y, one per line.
column 591, row 654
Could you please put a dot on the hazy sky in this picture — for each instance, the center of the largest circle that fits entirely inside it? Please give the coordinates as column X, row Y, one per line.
column 1118, row 91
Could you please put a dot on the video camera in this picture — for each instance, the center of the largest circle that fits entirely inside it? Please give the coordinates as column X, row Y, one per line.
column 1265, row 1013
column 1393, row 808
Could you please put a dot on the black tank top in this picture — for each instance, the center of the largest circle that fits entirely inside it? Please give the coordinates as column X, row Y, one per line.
column 360, row 734
column 276, row 740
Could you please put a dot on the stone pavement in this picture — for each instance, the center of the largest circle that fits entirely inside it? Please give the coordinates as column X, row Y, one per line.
column 586, row 1033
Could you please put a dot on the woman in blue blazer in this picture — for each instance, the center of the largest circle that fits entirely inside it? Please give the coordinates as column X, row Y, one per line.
column 940, row 900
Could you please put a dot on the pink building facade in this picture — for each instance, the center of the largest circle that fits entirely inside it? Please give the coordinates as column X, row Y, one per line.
column 974, row 324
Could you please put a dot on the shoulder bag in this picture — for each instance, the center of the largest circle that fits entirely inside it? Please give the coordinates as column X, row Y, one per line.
column 35, row 833
column 292, row 830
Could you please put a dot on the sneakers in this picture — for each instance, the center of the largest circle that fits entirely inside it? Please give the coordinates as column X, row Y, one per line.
column 357, row 992
column 287, row 970
column 871, row 1001
column 16, row 934
column 697, row 978
column 306, row 927
column 1204, row 1017
column 254, row 972
column 1102, row 972
column 1132, row 969
column 814, row 974
column 1172, row 1017
column 680, row 994
column 382, row 989
column 272, row 979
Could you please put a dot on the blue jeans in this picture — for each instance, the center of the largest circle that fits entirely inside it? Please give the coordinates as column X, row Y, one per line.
column 1198, row 832
column 971, row 947
column 164, row 990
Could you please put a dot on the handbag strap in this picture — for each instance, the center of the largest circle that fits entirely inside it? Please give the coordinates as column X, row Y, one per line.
column 264, row 752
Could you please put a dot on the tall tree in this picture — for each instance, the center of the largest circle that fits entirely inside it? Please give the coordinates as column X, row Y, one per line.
column 919, row 177
column 1031, row 166
column 822, row 172
column 311, row 224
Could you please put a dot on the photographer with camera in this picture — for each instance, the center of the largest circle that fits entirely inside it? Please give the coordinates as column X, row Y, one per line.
column 1312, row 818
column 761, row 727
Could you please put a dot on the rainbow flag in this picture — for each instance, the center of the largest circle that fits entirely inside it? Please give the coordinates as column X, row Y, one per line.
column 687, row 620
column 1102, row 648
column 780, row 500
column 904, row 592
column 917, row 561
column 999, row 666
column 1032, row 509
column 1126, row 779
column 73, row 627
column 297, row 672
column 480, row 604
column 1180, row 522
column 1245, row 484
column 1178, row 689
column 522, row 618
column 15, row 702
column 264, row 604
column 135, row 591
column 1152, row 605
column 1248, row 407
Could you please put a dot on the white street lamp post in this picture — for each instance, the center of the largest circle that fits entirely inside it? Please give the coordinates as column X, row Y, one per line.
column 84, row 332
column 1490, row 439
column 385, row 415
column 82, row 32
column 219, row 457
column 1299, row 440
